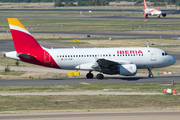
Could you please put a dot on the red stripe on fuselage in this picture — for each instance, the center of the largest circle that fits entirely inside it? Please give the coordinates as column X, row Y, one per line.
column 26, row 44
column 153, row 10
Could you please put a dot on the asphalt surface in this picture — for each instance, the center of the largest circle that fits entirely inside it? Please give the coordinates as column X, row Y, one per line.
column 76, row 81
column 99, row 18
column 111, row 115
column 174, row 11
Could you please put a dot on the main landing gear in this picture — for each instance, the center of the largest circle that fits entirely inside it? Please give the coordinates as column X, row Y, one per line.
column 159, row 16
column 89, row 75
column 100, row 76
column 150, row 73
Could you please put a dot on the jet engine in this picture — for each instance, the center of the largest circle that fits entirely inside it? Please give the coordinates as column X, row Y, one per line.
column 164, row 14
column 146, row 15
column 127, row 69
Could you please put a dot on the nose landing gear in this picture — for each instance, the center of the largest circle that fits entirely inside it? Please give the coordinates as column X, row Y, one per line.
column 150, row 73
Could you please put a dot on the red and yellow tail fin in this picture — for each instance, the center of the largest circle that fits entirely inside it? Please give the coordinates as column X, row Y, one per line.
column 23, row 40
column 145, row 6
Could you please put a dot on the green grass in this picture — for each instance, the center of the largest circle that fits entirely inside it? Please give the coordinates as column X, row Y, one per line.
column 12, row 72
column 81, row 22
column 89, row 25
column 67, row 42
column 87, row 103
column 92, row 88
column 10, row 62
column 67, row 14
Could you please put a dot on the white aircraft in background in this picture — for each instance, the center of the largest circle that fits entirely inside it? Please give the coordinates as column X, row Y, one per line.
column 121, row 60
column 152, row 11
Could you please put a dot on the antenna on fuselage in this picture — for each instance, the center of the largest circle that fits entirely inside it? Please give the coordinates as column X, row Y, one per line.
column 147, row 43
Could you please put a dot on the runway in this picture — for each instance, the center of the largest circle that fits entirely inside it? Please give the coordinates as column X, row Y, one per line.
column 76, row 81
column 174, row 11
column 99, row 18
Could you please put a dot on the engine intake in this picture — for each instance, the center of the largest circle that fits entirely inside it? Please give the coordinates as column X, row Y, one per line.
column 127, row 69
column 164, row 14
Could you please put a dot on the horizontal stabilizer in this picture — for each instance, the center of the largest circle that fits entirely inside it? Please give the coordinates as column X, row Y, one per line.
column 27, row 56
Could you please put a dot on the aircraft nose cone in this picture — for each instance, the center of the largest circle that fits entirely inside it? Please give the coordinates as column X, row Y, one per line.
column 172, row 60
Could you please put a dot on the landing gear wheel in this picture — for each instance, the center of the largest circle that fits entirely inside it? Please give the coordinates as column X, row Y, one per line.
column 100, row 76
column 151, row 75
column 159, row 16
column 89, row 76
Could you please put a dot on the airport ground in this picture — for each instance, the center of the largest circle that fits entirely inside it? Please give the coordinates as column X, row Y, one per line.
column 115, row 27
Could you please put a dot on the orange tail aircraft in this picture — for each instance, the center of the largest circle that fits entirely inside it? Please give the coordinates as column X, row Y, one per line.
column 152, row 11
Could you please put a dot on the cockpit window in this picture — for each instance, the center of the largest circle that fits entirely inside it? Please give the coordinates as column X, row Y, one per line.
column 164, row 53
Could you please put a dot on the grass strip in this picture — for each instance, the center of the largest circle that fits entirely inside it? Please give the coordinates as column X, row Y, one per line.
column 67, row 42
column 91, row 88
column 88, row 103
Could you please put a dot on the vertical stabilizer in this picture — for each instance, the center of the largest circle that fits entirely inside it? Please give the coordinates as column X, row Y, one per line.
column 23, row 40
column 145, row 6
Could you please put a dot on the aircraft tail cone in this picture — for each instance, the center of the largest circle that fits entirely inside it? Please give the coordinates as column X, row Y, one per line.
column 174, row 92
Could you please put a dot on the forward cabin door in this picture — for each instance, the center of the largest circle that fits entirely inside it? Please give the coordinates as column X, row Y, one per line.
column 153, row 55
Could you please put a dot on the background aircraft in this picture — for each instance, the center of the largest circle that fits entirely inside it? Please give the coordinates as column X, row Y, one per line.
column 123, row 61
column 152, row 11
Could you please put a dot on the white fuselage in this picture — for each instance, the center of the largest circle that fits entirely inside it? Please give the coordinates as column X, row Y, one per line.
column 149, row 58
column 153, row 12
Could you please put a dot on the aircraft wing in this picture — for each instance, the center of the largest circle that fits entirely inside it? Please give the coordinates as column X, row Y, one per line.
column 107, row 62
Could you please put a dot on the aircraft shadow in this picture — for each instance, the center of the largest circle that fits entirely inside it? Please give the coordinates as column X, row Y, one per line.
column 126, row 78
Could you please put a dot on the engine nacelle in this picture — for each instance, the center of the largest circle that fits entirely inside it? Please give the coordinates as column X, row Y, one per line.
column 127, row 69
column 164, row 14
column 146, row 15
column 86, row 66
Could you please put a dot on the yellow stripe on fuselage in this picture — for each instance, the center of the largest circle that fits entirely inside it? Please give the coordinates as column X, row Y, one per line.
column 16, row 22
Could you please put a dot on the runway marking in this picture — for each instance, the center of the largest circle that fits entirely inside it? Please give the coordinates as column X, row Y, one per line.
column 85, row 83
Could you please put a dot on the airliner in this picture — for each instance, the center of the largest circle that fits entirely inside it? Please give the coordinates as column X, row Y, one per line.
column 112, row 61
column 152, row 11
